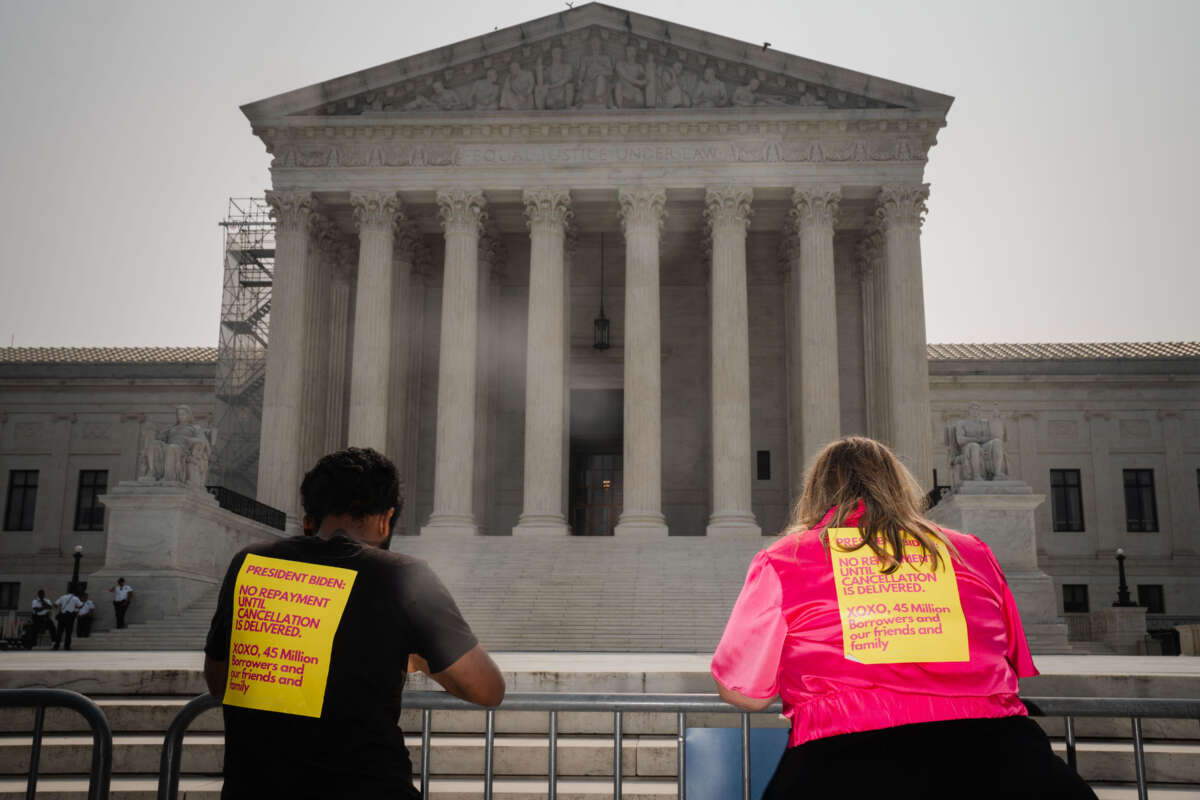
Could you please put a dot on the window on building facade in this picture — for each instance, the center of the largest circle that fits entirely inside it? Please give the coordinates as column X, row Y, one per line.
column 10, row 597
column 1066, row 499
column 1151, row 596
column 764, row 465
column 22, row 497
column 1075, row 598
column 1141, row 510
column 89, row 513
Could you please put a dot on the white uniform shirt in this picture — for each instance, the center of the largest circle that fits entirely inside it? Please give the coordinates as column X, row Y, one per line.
column 87, row 608
column 68, row 604
column 121, row 593
column 41, row 607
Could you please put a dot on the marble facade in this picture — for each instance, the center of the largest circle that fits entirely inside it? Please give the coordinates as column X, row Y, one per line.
column 727, row 176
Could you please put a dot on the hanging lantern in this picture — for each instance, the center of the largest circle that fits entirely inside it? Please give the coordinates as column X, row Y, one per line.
column 600, row 327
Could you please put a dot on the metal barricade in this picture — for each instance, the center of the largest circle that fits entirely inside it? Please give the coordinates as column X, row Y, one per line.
column 102, row 741
column 1136, row 709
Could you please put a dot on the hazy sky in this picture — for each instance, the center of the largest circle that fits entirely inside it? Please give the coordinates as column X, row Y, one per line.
column 1066, row 187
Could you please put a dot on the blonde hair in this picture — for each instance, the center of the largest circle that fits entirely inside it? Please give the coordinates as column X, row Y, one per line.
column 856, row 468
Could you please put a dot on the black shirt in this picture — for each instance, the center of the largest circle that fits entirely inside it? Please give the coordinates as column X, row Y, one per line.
column 397, row 606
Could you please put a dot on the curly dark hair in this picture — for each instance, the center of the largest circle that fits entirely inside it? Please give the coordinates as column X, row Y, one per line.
column 357, row 481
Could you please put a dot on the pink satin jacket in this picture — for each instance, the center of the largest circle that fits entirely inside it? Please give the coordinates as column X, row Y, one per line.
column 784, row 638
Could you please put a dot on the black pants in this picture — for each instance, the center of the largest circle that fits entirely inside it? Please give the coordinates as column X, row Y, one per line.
column 66, row 626
column 42, row 622
column 121, row 606
column 1008, row 757
column 83, row 626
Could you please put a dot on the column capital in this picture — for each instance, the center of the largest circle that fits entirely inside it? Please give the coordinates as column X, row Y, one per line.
column 815, row 205
column 326, row 235
column 902, row 204
column 548, row 208
column 376, row 211
column 462, row 210
column 408, row 242
column 728, row 206
column 642, row 207
column 491, row 249
column 292, row 210
column 870, row 250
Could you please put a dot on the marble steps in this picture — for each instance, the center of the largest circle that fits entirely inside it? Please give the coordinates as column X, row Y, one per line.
column 153, row 714
column 461, row 755
column 185, row 631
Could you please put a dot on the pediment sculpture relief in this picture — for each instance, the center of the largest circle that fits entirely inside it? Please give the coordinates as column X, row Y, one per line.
column 597, row 70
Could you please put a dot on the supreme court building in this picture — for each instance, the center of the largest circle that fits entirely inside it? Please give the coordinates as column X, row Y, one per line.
column 446, row 224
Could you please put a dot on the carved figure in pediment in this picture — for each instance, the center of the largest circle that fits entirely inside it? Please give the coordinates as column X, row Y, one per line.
column 517, row 94
column 711, row 91
column 749, row 95
column 670, row 92
column 485, row 92
column 446, row 99
column 976, row 447
column 630, row 91
column 179, row 453
column 555, row 84
column 593, row 87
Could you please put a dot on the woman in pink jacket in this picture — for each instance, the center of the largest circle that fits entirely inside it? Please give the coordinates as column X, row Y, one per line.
column 895, row 646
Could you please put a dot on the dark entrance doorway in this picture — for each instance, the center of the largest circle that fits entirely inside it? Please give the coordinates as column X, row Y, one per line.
column 596, row 474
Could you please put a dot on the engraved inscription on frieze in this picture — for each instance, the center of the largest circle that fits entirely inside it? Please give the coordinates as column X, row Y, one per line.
column 596, row 69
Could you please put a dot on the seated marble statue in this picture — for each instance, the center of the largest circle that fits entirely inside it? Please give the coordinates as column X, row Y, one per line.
column 179, row 453
column 976, row 447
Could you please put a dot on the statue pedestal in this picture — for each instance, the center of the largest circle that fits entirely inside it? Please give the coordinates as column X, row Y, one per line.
column 171, row 543
column 1122, row 628
column 1001, row 514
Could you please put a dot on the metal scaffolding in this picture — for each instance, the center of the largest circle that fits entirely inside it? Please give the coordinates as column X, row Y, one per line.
column 242, row 351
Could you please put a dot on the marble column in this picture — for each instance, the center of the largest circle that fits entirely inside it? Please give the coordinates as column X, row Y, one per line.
column 462, row 213
column 50, row 520
column 642, row 210
column 548, row 211
column 728, row 214
column 131, row 447
column 787, row 255
column 375, row 217
column 408, row 240
column 338, row 291
column 814, row 210
column 492, row 256
column 279, row 449
column 570, row 245
column 900, row 213
column 418, row 290
column 872, row 277
column 315, row 401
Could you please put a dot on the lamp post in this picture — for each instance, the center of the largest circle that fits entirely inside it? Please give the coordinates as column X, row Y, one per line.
column 78, row 556
column 1123, row 599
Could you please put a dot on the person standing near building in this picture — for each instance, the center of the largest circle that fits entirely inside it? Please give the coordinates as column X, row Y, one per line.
column 122, row 594
column 42, row 620
column 338, row 736
column 68, row 606
column 85, row 618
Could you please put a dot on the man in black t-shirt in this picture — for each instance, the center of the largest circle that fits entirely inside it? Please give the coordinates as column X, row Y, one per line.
column 397, row 616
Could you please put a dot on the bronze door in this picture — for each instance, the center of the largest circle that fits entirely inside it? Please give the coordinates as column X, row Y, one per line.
column 596, row 494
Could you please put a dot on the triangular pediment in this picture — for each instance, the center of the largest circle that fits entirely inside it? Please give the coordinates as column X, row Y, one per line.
column 594, row 58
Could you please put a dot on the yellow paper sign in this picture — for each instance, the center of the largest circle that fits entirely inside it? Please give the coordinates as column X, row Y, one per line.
column 285, row 614
column 911, row 615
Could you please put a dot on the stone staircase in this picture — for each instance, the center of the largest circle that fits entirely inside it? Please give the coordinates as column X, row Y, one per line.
column 584, row 753
column 185, row 631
